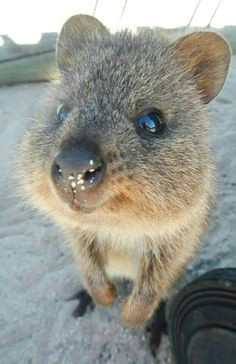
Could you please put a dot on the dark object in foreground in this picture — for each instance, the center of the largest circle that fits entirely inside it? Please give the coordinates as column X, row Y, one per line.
column 202, row 320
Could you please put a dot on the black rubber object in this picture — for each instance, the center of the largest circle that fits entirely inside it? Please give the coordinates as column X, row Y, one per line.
column 202, row 320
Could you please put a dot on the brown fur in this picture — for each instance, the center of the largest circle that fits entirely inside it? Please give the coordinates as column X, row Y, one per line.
column 157, row 193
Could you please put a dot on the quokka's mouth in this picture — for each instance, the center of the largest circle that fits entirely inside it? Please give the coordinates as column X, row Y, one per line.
column 76, row 206
column 82, row 201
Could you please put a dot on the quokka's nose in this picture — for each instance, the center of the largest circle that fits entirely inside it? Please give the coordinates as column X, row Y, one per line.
column 78, row 165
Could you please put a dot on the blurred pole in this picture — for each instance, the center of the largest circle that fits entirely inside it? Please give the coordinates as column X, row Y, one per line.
column 95, row 7
column 195, row 10
column 123, row 10
column 209, row 24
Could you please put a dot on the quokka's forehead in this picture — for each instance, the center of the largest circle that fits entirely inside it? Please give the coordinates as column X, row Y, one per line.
column 120, row 69
column 120, row 54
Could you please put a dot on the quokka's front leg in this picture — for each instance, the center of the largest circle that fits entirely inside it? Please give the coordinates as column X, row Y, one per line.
column 95, row 280
column 156, row 277
column 140, row 305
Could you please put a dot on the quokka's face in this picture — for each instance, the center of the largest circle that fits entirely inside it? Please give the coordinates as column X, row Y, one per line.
column 123, row 134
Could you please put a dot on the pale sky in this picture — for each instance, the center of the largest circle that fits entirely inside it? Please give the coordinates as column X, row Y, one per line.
column 25, row 20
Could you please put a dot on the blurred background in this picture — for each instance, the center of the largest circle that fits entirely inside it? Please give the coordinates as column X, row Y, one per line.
column 29, row 28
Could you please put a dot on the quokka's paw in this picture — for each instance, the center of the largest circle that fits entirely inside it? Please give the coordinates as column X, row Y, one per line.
column 85, row 303
column 135, row 313
column 104, row 295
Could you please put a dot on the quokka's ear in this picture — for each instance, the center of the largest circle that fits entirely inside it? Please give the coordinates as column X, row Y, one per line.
column 207, row 57
column 75, row 32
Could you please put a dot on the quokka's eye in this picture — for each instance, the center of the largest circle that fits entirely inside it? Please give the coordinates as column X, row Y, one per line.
column 151, row 122
column 62, row 112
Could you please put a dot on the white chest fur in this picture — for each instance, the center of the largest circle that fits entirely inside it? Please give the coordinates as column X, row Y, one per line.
column 123, row 253
column 119, row 264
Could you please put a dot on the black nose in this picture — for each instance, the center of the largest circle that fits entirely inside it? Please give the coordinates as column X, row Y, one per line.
column 78, row 165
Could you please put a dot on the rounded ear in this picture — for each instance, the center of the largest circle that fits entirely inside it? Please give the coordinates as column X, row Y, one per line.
column 75, row 33
column 206, row 56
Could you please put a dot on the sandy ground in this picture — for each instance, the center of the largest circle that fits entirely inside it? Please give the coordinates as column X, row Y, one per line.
column 37, row 271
